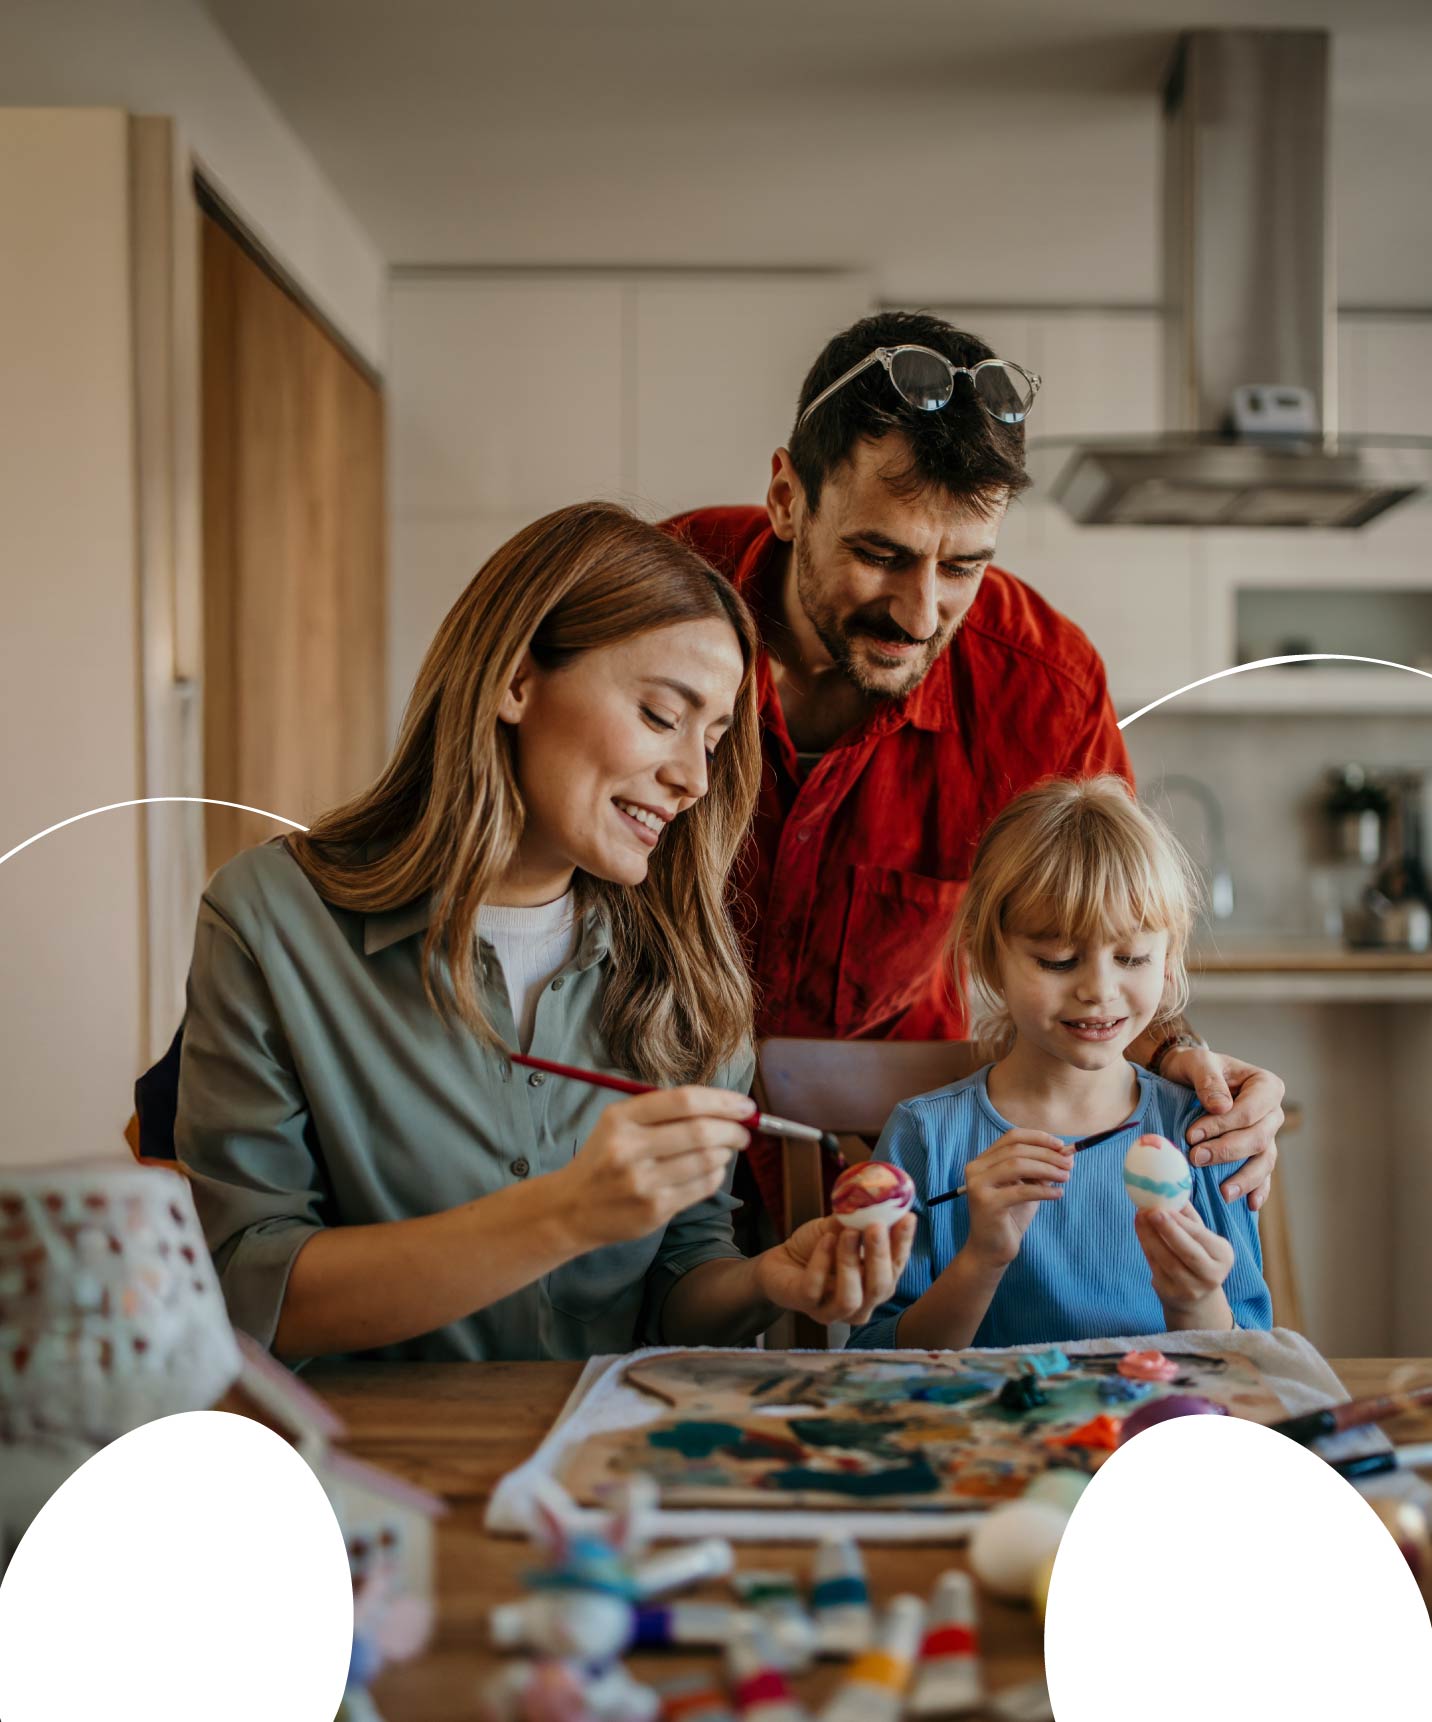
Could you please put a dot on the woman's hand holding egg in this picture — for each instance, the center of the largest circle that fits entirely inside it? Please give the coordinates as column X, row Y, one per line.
column 1004, row 1187
column 833, row 1272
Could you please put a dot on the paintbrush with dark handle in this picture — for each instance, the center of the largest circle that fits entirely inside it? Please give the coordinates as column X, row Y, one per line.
column 1083, row 1142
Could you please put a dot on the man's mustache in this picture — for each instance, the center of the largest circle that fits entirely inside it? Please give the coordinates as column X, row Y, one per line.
column 886, row 628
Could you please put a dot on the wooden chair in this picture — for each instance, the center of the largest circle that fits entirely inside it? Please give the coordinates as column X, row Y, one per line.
column 852, row 1086
column 1276, row 1239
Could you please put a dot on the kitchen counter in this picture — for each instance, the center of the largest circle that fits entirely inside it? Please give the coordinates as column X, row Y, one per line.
column 1307, row 971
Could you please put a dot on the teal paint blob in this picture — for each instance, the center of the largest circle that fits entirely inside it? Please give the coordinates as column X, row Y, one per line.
column 913, row 1479
column 698, row 1440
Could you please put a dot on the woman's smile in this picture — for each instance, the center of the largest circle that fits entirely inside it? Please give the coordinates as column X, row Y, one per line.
column 646, row 823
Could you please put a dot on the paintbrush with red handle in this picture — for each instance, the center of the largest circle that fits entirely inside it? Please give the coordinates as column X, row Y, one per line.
column 1351, row 1414
column 764, row 1122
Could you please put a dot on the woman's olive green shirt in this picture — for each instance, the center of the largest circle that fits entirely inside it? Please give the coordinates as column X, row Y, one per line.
column 319, row 1087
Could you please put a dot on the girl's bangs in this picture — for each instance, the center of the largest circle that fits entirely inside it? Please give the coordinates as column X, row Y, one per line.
column 1108, row 892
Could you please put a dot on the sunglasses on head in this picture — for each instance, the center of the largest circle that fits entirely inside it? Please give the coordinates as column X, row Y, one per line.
column 926, row 379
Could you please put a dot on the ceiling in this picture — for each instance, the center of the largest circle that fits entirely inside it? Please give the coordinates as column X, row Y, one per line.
column 960, row 153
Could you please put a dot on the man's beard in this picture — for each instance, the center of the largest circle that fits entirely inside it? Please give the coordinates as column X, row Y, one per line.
column 838, row 634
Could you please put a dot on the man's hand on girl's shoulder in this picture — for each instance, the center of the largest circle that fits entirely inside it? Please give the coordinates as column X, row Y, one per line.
column 1243, row 1112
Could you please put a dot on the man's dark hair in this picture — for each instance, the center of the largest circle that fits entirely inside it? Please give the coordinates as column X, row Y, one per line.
column 959, row 449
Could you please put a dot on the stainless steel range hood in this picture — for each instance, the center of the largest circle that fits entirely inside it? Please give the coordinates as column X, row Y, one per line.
column 1250, row 313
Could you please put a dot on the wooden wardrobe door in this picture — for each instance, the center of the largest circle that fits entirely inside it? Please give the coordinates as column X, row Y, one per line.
column 294, row 601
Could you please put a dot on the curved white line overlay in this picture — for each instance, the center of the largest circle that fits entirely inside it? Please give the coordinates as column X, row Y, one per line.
column 1259, row 664
column 147, row 801
column 1143, row 711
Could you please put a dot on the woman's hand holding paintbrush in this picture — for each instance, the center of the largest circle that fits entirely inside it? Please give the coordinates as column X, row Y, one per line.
column 649, row 1157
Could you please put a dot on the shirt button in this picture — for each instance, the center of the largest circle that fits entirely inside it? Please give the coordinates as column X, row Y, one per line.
column 520, row 1168
column 559, row 983
column 537, row 1078
column 802, row 836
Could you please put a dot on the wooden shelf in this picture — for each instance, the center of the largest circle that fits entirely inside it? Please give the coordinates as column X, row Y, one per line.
column 1298, row 690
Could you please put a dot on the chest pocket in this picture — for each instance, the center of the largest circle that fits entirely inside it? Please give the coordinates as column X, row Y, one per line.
column 598, row 1283
column 894, row 943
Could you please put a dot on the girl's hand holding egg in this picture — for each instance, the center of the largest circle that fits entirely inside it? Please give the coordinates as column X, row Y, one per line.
column 1189, row 1265
column 1004, row 1187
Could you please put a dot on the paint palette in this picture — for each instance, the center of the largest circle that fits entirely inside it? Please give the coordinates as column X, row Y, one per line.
column 938, row 1430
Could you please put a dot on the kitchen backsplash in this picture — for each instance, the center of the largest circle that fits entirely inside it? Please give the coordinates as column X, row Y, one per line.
column 1269, row 776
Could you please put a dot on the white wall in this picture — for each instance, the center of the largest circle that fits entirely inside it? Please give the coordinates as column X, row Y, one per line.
column 167, row 57
column 513, row 394
column 70, row 907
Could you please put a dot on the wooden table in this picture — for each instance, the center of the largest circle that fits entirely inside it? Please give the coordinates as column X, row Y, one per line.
column 455, row 1429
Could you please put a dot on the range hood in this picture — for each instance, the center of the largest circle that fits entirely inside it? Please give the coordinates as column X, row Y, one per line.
column 1250, row 343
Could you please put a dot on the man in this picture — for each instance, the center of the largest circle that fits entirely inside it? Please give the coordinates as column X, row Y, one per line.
column 909, row 689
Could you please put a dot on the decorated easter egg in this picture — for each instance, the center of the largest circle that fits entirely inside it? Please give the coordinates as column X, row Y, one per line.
column 1156, row 1174
column 1010, row 1544
column 872, row 1194
column 1171, row 1405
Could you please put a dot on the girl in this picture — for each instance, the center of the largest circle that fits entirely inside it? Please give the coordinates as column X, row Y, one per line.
column 541, row 866
column 1073, row 932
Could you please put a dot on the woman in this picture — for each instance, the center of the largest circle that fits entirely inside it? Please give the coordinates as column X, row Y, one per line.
column 542, row 865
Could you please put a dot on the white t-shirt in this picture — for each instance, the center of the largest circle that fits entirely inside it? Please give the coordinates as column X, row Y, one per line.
column 532, row 945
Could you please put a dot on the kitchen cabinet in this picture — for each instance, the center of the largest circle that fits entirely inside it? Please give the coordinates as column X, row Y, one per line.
column 513, row 394
column 715, row 373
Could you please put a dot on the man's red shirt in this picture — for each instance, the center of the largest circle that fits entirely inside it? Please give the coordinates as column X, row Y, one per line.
column 854, row 870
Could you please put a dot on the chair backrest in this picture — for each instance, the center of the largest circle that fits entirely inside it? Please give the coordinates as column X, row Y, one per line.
column 849, row 1087
column 852, row 1086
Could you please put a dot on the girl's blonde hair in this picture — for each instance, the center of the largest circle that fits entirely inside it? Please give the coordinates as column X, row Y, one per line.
column 445, row 818
column 1079, row 861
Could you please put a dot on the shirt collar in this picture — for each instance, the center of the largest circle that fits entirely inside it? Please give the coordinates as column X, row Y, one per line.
column 389, row 926
column 930, row 706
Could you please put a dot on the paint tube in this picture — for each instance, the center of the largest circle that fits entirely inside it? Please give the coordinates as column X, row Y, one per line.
column 698, row 1698
column 757, row 1679
column 874, row 1690
column 773, row 1595
column 840, row 1599
column 685, row 1623
column 948, row 1681
column 689, row 1564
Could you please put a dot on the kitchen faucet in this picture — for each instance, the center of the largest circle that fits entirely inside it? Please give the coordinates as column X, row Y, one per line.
column 1220, row 879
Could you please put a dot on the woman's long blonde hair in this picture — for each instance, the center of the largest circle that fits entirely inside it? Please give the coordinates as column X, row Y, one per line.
column 445, row 818
column 1080, row 861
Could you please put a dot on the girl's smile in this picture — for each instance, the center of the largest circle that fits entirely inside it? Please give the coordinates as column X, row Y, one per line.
column 1083, row 1004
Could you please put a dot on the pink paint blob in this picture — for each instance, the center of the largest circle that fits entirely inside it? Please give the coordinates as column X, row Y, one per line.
column 1147, row 1366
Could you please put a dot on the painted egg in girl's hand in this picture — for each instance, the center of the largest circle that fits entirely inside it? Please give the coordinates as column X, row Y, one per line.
column 872, row 1194
column 1156, row 1174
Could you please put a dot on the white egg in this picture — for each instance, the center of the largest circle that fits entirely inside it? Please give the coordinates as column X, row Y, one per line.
column 191, row 1568
column 1156, row 1174
column 1205, row 1508
column 1010, row 1543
